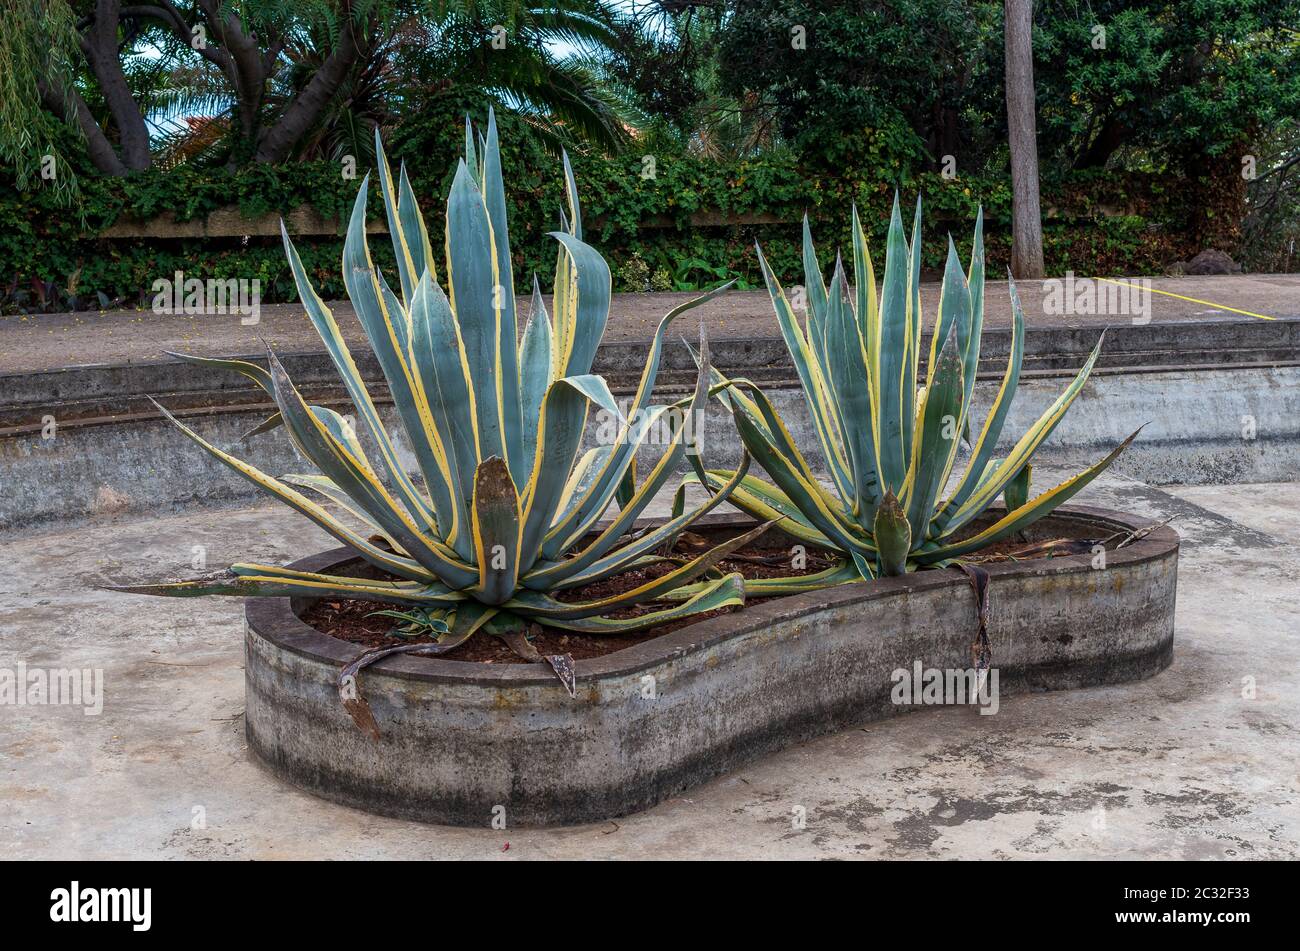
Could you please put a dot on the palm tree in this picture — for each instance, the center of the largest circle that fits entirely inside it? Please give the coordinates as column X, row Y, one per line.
column 212, row 81
column 533, row 61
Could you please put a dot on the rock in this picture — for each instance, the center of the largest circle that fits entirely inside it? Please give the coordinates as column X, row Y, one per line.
column 1211, row 261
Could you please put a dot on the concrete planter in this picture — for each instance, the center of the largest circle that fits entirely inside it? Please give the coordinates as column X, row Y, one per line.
column 459, row 739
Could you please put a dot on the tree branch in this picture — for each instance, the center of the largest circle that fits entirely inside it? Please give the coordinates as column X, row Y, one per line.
column 70, row 107
column 277, row 142
column 170, row 16
column 242, row 64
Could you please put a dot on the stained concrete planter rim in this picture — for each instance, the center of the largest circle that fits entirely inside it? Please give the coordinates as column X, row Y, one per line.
column 275, row 620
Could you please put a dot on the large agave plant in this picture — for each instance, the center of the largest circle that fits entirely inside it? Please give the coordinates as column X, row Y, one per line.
column 503, row 515
column 891, row 446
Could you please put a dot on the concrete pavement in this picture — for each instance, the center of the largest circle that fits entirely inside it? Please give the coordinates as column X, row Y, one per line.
column 1198, row 762
column 53, row 341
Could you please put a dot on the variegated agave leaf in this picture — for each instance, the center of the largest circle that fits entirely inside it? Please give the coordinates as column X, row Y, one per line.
column 501, row 509
column 891, row 439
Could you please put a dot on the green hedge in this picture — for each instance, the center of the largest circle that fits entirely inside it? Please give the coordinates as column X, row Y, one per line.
column 59, row 246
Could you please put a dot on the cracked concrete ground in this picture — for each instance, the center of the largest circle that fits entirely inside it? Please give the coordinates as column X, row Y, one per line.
column 1191, row 764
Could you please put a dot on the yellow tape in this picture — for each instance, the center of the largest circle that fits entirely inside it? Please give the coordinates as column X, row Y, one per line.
column 1194, row 300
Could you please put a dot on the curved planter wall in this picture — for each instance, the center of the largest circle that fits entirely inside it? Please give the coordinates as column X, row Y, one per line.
column 460, row 738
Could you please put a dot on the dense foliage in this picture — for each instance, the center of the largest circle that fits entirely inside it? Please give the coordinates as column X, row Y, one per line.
column 893, row 81
column 238, row 82
column 1187, row 90
column 743, row 111
column 642, row 224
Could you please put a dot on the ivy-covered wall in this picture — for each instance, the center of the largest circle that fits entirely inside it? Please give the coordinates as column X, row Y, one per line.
column 1099, row 223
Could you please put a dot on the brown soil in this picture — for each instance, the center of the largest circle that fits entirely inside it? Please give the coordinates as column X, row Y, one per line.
column 351, row 620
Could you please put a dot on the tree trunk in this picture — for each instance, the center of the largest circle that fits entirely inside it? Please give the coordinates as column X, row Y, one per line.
column 1216, row 200
column 276, row 143
column 1103, row 145
column 70, row 107
column 99, row 46
column 246, row 59
column 1026, row 217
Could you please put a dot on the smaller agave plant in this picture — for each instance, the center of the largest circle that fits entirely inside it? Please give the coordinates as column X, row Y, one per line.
column 891, row 446
column 504, row 515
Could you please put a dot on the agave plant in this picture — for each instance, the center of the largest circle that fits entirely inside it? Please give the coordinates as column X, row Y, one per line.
column 891, row 446
column 501, row 514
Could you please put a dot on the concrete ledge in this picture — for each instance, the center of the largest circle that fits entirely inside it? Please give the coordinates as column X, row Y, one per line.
column 1221, row 397
column 95, row 393
column 458, row 738
column 1210, row 426
column 229, row 222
